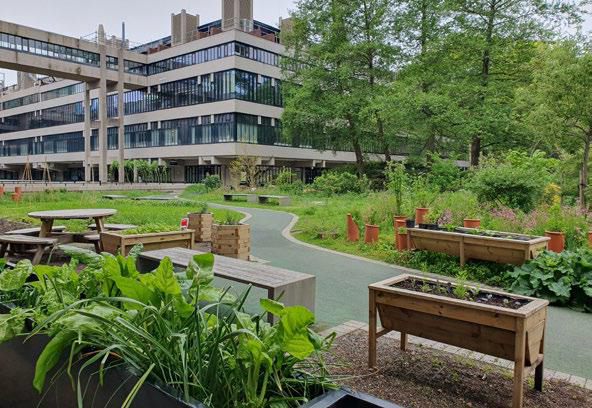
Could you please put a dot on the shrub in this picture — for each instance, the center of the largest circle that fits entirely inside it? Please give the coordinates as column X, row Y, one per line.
column 212, row 182
column 508, row 184
column 564, row 278
column 340, row 183
column 196, row 189
column 286, row 181
column 444, row 174
column 396, row 183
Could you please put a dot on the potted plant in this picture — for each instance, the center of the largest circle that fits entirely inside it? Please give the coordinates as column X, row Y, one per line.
column 231, row 238
column 496, row 323
column 430, row 221
column 401, row 239
column 151, row 236
column 201, row 222
column 353, row 230
column 471, row 220
column 372, row 230
column 555, row 229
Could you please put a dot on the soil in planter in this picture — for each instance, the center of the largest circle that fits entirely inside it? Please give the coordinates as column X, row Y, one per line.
column 425, row 378
column 446, row 289
column 516, row 237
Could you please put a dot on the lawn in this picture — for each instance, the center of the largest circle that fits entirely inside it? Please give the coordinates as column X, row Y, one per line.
column 128, row 211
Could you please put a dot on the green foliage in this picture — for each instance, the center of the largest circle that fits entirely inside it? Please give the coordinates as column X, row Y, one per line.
column 149, row 229
column 396, row 183
column 339, row 183
column 444, row 174
column 232, row 219
column 287, row 181
column 196, row 189
column 212, row 182
column 510, row 184
column 564, row 278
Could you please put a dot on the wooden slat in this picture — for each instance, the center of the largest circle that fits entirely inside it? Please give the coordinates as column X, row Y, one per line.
column 26, row 239
column 259, row 275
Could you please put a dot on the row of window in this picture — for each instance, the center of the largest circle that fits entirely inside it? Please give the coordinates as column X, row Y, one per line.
column 219, row 86
column 44, row 96
column 222, row 128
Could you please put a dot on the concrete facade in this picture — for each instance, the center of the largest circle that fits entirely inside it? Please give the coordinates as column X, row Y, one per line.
column 102, row 81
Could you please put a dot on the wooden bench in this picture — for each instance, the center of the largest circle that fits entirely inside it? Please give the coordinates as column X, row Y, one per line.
column 114, row 227
column 251, row 198
column 34, row 232
column 297, row 288
column 40, row 244
column 283, row 201
column 94, row 239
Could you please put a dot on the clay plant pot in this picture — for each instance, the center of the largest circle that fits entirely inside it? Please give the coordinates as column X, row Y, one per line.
column 398, row 218
column 590, row 239
column 472, row 223
column 557, row 243
column 402, row 241
column 420, row 214
column 353, row 231
column 1, row 191
column 371, row 233
column 15, row 197
column 18, row 190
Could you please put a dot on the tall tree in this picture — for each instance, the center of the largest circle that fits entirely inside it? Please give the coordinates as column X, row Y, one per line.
column 558, row 103
column 494, row 26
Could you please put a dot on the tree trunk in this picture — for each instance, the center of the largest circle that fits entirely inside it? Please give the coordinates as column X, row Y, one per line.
column 385, row 145
column 475, row 151
column 584, row 172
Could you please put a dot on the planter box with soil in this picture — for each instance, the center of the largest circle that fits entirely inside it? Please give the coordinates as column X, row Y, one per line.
column 496, row 323
column 114, row 241
column 468, row 243
column 233, row 241
column 201, row 223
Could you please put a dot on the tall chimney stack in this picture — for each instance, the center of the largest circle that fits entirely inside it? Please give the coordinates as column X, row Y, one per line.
column 237, row 14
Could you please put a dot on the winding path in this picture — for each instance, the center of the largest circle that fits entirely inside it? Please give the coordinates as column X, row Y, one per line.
column 342, row 288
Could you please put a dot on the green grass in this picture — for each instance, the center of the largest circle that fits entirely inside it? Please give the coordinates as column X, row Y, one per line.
column 128, row 211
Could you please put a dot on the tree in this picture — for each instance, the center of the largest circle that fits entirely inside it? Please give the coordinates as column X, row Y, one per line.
column 497, row 29
column 559, row 102
column 247, row 166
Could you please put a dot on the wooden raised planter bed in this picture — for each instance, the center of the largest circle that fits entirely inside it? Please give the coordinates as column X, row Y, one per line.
column 233, row 241
column 511, row 334
column 202, row 225
column 113, row 241
column 465, row 245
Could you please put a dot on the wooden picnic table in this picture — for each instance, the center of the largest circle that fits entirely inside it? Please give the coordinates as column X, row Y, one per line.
column 48, row 217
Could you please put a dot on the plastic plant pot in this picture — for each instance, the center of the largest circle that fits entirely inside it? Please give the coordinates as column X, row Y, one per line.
column 472, row 223
column 410, row 223
column 557, row 242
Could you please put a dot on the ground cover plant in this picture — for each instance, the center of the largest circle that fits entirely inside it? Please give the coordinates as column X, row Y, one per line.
column 166, row 213
column 170, row 328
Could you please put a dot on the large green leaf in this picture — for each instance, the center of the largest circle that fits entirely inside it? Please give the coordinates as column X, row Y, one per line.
column 12, row 324
column 13, row 279
column 561, row 289
column 134, row 289
column 271, row 306
column 51, row 355
column 165, row 280
column 201, row 269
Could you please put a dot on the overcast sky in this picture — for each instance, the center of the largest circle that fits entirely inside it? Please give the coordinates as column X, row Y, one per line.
column 145, row 20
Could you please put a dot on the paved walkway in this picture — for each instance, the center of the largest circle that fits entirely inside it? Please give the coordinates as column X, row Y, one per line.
column 342, row 290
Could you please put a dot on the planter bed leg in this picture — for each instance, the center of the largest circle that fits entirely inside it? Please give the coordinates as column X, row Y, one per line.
column 372, row 331
column 538, row 372
column 403, row 341
column 462, row 251
column 519, row 353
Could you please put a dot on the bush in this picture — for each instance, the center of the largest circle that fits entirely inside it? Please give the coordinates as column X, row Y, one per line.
column 286, row 181
column 339, row 183
column 212, row 182
column 507, row 184
column 444, row 174
column 196, row 189
column 564, row 278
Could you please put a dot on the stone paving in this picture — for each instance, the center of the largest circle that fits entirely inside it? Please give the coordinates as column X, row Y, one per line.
column 342, row 289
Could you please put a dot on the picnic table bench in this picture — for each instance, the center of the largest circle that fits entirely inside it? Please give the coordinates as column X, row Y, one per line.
column 282, row 200
column 114, row 227
column 23, row 241
column 34, row 231
column 251, row 198
column 297, row 288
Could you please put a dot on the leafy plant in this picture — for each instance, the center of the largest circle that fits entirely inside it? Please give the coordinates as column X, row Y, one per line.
column 231, row 219
column 149, row 229
column 396, row 182
column 201, row 208
column 339, row 183
column 212, row 182
column 563, row 278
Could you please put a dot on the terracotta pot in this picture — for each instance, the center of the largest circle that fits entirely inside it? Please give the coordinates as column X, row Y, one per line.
column 1, row 191
column 353, row 231
column 371, row 233
column 590, row 239
column 557, row 243
column 472, row 223
column 399, row 223
column 402, row 241
column 420, row 213
column 16, row 197
column 18, row 190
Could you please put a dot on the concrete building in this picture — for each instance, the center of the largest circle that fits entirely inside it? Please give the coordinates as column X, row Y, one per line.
column 194, row 100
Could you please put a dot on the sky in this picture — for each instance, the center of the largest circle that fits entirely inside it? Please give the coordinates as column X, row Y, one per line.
column 144, row 23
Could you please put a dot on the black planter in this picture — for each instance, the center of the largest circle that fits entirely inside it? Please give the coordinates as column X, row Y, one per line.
column 348, row 399
column 410, row 223
column 17, row 370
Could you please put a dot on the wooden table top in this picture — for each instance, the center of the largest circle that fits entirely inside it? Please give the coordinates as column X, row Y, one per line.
column 77, row 214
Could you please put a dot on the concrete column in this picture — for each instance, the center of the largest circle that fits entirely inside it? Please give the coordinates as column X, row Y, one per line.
column 87, row 135
column 103, row 174
column 121, row 114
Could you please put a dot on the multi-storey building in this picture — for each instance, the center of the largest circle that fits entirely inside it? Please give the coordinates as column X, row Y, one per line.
column 195, row 100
